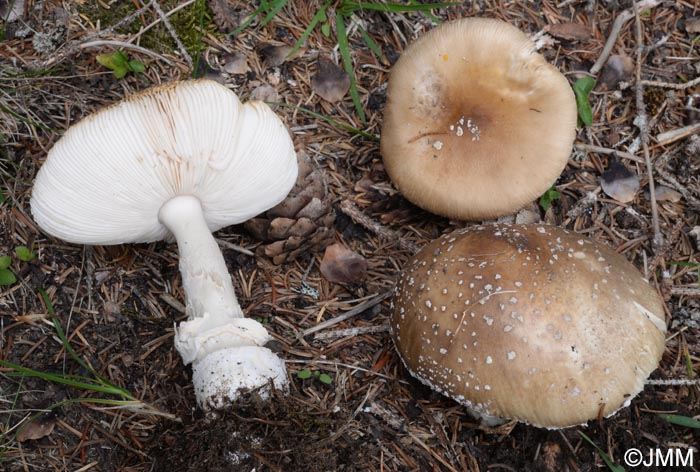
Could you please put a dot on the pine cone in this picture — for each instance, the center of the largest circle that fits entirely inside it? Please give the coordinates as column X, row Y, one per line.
column 303, row 222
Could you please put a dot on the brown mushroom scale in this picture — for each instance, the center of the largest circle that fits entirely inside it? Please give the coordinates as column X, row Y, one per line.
column 476, row 124
column 529, row 322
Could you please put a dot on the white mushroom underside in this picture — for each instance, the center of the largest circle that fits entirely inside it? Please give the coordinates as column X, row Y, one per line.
column 182, row 159
column 105, row 180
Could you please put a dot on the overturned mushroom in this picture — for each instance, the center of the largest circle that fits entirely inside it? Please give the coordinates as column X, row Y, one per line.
column 529, row 322
column 476, row 124
column 178, row 160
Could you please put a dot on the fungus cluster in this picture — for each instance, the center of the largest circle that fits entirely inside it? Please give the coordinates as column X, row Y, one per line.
column 477, row 123
column 179, row 160
column 528, row 322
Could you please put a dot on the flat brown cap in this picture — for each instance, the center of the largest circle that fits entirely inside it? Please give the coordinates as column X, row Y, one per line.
column 476, row 124
column 529, row 322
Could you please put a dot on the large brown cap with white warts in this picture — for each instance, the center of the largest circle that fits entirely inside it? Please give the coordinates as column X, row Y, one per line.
column 528, row 322
column 476, row 123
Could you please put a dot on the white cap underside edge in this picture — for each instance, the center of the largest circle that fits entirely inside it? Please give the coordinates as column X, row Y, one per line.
column 106, row 178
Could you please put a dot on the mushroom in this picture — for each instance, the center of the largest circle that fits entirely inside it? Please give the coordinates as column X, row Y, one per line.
column 528, row 322
column 181, row 160
column 476, row 123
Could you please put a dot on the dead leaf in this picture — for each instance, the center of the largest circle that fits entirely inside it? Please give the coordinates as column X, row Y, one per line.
column 692, row 25
column 695, row 233
column 236, row 63
column 265, row 93
column 11, row 10
column 38, row 428
column 619, row 182
column 274, row 55
column 570, row 31
column 343, row 266
column 364, row 185
column 616, row 70
column 665, row 194
column 226, row 16
column 330, row 82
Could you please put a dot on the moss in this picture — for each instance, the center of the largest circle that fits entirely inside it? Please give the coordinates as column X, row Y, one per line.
column 190, row 24
column 94, row 12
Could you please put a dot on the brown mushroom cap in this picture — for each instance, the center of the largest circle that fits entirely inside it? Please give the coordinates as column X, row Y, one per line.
column 529, row 322
column 476, row 123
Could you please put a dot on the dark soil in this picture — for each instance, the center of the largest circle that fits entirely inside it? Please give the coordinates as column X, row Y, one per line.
column 117, row 305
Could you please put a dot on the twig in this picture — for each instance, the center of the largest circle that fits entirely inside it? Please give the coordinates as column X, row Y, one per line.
column 604, row 150
column 347, row 366
column 643, row 125
column 668, row 137
column 170, row 13
column 73, row 47
column 173, row 33
column 348, row 314
column 356, row 331
column 350, row 209
column 235, row 247
column 685, row 190
column 620, row 21
column 686, row 291
column 686, row 85
column 657, row 45
column 121, row 44
column 173, row 302
column 566, row 3
column 675, row 382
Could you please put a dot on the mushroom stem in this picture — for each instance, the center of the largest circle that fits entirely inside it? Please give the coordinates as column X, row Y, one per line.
column 205, row 278
column 214, row 318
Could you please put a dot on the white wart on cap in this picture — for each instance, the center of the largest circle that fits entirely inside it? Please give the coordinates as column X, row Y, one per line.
column 179, row 160
column 528, row 322
column 476, row 124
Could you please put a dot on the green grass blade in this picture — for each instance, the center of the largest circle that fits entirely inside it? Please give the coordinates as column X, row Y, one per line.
column 200, row 36
column 682, row 421
column 400, row 8
column 62, row 335
column 603, row 455
column 23, row 119
column 429, row 14
column 328, row 119
column 247, row 22
column 277, row 6
column 59, row 378
column 314, row 21
column 372, row 45
column 344, row 48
